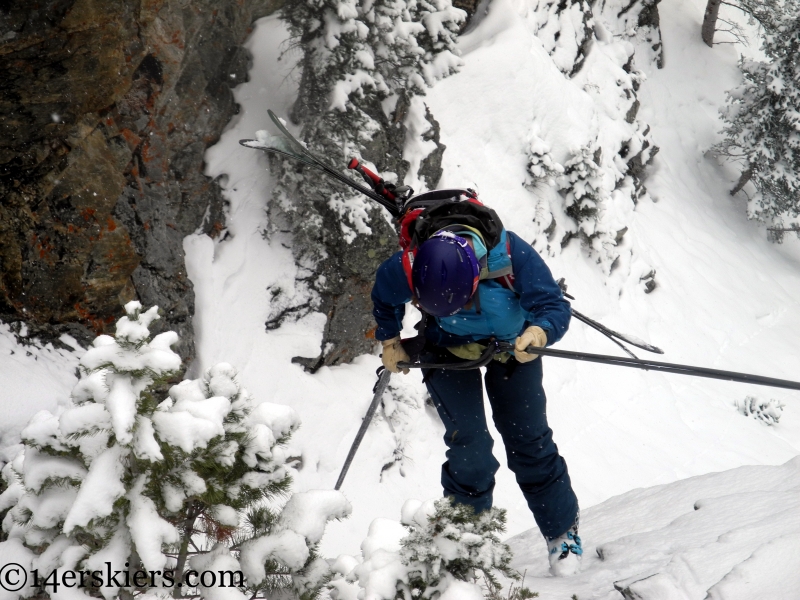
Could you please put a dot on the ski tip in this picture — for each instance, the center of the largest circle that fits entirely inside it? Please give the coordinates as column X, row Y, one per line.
column 276, row 119
column 249, row 143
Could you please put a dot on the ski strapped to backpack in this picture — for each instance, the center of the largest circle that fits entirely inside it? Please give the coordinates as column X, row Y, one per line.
column 289, row 146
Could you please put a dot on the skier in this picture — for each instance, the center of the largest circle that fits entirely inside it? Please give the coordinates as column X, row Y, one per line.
column 447, row 278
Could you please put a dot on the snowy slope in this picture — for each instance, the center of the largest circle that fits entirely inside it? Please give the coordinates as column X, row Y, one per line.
column 32, row 378
column 725, row 536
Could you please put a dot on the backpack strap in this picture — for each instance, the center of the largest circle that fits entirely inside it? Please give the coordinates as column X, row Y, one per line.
column 408, row 265
column 499, row 265
column 499, row 273
column 507, row 279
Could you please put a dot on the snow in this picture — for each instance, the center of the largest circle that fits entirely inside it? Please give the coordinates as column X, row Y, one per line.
column 14, row 552
column 83, row 418
column 225, row 515
column 147, row 529
column 282, row 420
column 461, row 590
column 121, row 403
column 725, row 298
column 49, row 507
column 217, row 561
column 100, row 489
column 287, row 546
column 32, row 378
column 136, row 330
column 720, row 536
column 145, row 445
column 39, row 468
column 112, row 556
column 191, row 424
column 381, row 568
column 307, row 513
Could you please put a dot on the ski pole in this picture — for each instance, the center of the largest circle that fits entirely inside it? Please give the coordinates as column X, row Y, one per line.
column 599, row 327
column 609, row 333
column 380, row 387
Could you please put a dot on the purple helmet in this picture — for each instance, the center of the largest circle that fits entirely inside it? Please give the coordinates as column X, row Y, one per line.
column 445, row 274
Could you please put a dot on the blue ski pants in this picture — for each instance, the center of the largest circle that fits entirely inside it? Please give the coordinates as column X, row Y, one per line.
column 519, row 411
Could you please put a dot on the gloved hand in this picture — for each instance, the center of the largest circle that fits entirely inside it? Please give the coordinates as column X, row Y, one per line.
column 532, row 336
column 394, row 353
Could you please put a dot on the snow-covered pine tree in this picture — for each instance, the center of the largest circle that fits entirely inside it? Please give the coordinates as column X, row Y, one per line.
column 762, row 129
column 119, row 476
column 542, row 167
column 448, row 552
column 363, row 61
column 602, row 178
column 448, row 541
column 595, row 173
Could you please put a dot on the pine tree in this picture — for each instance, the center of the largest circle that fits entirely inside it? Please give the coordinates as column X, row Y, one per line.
column 762, row 128
column 363, row 62
column 447, row 546
column 453, row 542
column 119, row 475
column 600, row 181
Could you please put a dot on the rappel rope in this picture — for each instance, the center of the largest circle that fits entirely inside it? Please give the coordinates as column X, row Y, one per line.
column 495, row 347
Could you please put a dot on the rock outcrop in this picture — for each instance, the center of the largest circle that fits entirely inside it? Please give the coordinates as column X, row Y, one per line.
column 106, row 109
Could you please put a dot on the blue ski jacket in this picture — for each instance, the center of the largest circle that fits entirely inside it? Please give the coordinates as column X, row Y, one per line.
column 535, row 300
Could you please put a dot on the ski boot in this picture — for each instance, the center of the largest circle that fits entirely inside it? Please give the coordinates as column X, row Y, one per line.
column 564, row 552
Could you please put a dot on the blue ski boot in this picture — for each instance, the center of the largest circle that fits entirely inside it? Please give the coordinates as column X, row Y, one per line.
column 564, row 552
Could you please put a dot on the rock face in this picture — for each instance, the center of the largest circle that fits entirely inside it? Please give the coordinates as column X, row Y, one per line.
column 106, row 109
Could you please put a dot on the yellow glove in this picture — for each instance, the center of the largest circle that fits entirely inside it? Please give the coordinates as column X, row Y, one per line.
column 394, row 353
column 532, row 336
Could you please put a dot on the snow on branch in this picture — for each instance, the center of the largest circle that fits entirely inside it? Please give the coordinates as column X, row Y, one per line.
column 766, row 411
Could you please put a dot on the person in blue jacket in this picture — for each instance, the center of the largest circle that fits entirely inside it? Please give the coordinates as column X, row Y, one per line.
column 450, row 283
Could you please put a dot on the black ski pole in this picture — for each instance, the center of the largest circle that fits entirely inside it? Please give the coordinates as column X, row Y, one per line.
column 380, row 387
column 594, row 324
column 614, row 336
